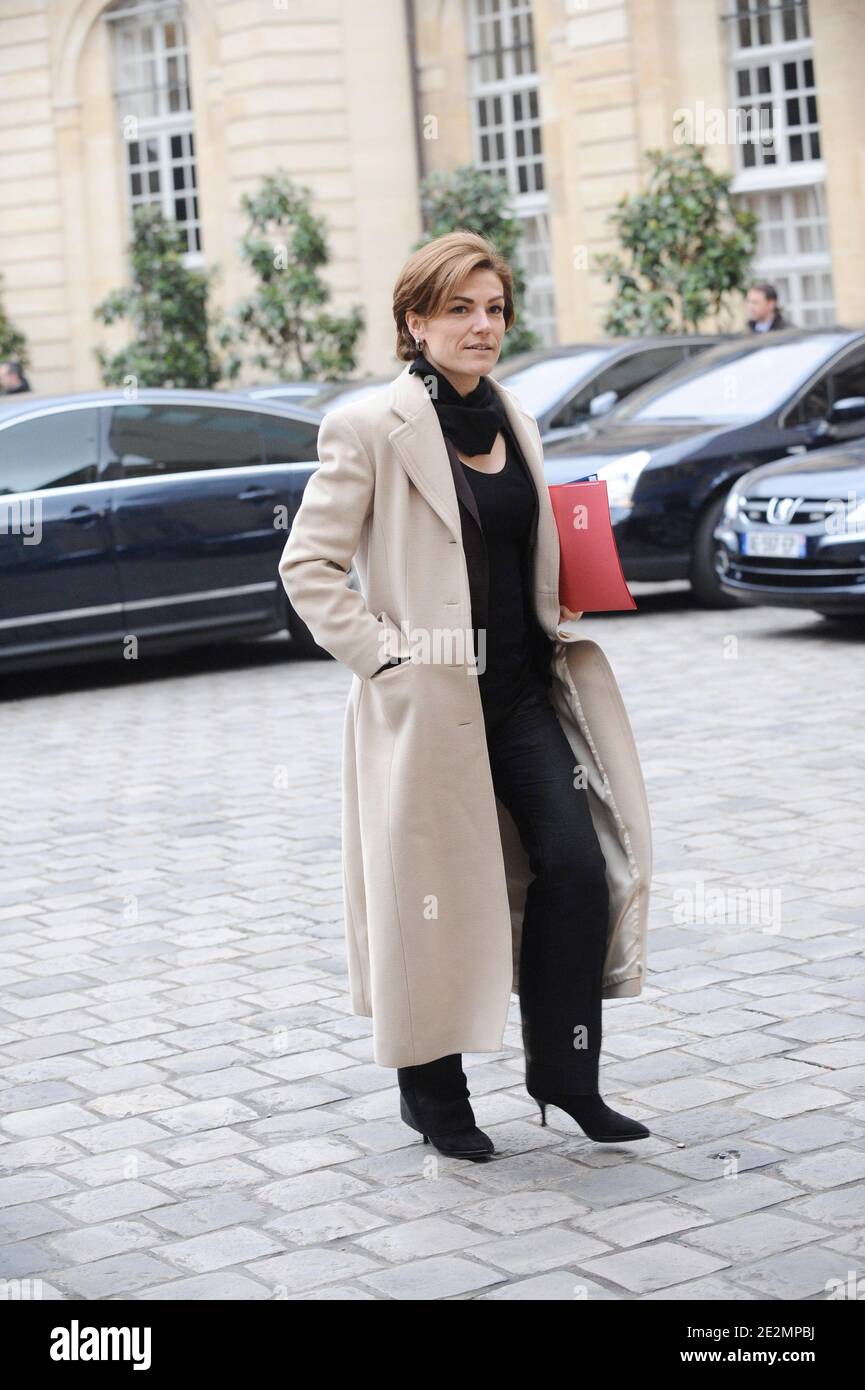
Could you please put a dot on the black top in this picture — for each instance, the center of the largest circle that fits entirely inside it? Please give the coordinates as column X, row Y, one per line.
column 509, row 664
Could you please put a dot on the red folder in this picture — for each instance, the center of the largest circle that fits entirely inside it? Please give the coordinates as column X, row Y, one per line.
column 590, row 571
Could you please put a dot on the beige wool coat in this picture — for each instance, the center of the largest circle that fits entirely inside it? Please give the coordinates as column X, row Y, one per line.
column 434, row 870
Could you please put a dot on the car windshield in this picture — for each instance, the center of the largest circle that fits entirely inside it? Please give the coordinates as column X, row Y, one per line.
column 739, row 384
column 541, row 385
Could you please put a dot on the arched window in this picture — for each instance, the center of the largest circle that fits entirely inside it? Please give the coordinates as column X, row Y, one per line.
column 154, row 110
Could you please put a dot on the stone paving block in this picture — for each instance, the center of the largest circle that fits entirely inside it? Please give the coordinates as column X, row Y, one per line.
column 765, row 1071
column 310, row 1189
column 408, row 1201
column 779, row 1102
column 558, row 1286
column 430, row 1235
column 335, row 1293
column 200, row 1179
column 331, row 1221
column 52, row 1045
column 291, row 1123
column 534, row 1251
column 306, row 1155
column 685, row 1093
column 301, row 1270
column 659, row 1266
column 229, row 1246
column 28, row 1220
column 144, row 1100
column 818, row 1028
column 812, row 1271
column 705, row 1122
column 760, row 1233
column 90, row 1243
column 49, row 1119
column 101, row 1169
column 828, row 1169
column 37, row 1095
column 26, row 1187
column 199, row 1115
column 522, row 1211
column 814, row 1130
column 202, row 1214
column 227, row 1285
column 24, row 1258
column 106, row 1203
column 119, row 1274
column 635, row 1223
column 713, row 1162
column 743, row 1191
column 442, row 1276
column 198, row 1148
column 712, row 1289
column 842, row 1209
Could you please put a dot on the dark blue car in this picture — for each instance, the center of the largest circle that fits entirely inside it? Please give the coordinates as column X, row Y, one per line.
column 793, row 533
column 156, row 519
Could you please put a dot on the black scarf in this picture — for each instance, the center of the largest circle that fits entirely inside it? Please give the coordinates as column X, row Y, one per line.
column 471, row 422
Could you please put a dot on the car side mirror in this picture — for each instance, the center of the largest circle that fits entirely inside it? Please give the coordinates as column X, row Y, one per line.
column 599, row 405
column 846, row 411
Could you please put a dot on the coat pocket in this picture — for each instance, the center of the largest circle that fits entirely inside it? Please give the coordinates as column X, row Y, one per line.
column 389, row 671
column 392, row 640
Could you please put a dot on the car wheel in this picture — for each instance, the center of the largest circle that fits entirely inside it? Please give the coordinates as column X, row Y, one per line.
column 703, row 575
column 301, row 637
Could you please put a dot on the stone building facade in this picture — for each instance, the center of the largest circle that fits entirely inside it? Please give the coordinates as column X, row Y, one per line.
column 187, row 103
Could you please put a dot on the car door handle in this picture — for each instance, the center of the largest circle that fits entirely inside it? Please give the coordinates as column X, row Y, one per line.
column 255, row 494
column 83, row 513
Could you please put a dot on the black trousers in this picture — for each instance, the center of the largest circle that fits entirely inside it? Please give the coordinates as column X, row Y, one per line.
column 564, row 933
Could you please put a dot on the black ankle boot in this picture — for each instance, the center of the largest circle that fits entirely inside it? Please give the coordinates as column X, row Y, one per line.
column 469, row 1143
column 595, row 1119
column 434, row 1100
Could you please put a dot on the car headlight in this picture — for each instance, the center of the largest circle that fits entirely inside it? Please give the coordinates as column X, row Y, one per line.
column 732, row 504
column 621, row 476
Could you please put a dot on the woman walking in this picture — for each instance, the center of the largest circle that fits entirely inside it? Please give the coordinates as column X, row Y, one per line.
column 475, row 797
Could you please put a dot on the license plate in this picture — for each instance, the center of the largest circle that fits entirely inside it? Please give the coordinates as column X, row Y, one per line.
column 785, row 545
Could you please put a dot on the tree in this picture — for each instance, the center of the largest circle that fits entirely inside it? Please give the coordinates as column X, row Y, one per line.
column 12, row 341
column 473, row 200
column 283, row 322
column 167, row 306
column 688, row 247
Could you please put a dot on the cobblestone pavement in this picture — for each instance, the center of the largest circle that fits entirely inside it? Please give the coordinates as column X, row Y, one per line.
column 190, row 1110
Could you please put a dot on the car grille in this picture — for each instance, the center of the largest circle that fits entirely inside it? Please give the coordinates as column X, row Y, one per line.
column 809, row 573
column 792, row 574
column 807, row 510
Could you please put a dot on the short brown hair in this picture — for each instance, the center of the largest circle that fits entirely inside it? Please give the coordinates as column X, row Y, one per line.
column 766, row 289
column 433, row 274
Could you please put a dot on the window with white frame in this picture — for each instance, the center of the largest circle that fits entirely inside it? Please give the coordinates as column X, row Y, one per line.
column 780, row 172
column 792, row 251
column 540, row 303
column 506, row 120
column 154, row 105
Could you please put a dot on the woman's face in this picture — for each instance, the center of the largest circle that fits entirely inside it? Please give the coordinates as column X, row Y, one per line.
column 471, row 320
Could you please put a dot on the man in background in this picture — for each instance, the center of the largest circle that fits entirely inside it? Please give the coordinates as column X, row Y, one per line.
column 12, row 378
column 763, row 313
